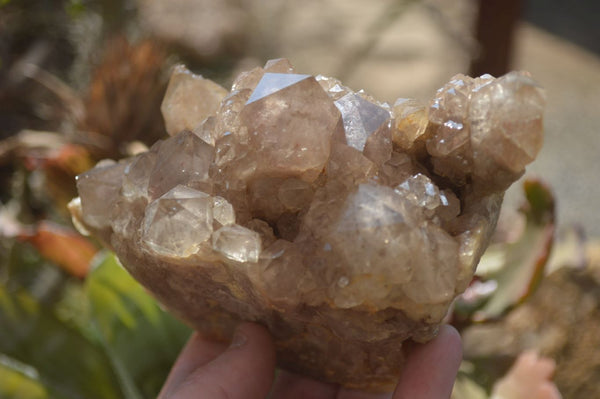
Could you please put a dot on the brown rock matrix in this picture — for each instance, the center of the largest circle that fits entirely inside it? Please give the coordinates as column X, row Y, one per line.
column 345, row 225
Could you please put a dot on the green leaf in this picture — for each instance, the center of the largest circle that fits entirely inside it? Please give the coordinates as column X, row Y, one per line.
column 522, row 263
column 65, row 361
column 75, row 8
column 540, row 202
column 19, row 381
column 140, row 338
column 14, row 384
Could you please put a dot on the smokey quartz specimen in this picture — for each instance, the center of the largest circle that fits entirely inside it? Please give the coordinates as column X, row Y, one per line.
column 344, row 225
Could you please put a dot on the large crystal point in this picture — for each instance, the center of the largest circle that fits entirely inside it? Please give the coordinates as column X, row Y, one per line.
column 450, row 145
column 466, row 111
column 290, row 121
column 181, row 159
column 179, row 222
column 99, row 189
column 189, row 100
column 136, row 176
column 273, row 82
column 344, row 226
column 361, row 119
column 511, row 142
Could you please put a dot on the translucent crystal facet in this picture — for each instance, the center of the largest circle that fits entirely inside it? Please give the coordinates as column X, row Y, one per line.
column 421, row 191
column 249, row 80
column 372, row 233
column 189, row 100
column 137, row 176
column 333, row 87
column 513, row 142
column 463, row 114
column 237, row 243
column 179, row 222
column 410, row 123
column 342, row 224
column 272, row 83
column 435, row 266
column 361, row 119
column 99, row 189
column 278, row 276
column 223, row 212
column 181, row 159
column 290, row 121
column 451, row 101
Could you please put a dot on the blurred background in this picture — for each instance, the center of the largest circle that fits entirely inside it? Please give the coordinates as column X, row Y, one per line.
column 82, row 80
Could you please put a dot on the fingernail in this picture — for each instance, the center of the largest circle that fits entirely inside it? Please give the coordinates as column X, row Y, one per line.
column 239, row 339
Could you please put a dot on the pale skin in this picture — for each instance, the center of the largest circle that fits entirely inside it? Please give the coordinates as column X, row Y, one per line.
column 246, row 369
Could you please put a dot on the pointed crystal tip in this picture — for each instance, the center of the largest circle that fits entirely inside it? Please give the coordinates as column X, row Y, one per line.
column 272, row 83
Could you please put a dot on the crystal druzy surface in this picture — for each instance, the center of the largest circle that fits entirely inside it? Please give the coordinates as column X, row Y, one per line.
column 345, row 225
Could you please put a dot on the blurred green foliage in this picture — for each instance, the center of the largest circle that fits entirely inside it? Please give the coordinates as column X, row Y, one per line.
column 140, row 338
column 126, row 352
column 19, row 382
column 75, row 8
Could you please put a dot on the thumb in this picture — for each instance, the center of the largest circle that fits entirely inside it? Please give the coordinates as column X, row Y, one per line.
column 245, row 370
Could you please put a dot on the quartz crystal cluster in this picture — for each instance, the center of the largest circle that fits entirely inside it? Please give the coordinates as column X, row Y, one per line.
column 345, row 225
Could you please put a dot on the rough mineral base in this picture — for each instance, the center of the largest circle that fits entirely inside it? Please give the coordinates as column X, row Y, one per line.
column 345, row 225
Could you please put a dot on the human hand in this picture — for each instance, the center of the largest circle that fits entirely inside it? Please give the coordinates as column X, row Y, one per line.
column 246, row 369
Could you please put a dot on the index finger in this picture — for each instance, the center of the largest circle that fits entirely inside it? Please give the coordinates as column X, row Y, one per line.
column 431, row 368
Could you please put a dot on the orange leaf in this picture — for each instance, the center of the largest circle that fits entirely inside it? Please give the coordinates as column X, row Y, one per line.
column 62, row 246
column 72, row 159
